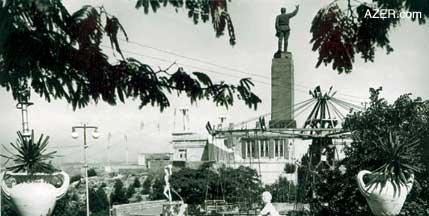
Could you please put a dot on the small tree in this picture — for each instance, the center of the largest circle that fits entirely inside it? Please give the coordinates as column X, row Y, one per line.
column 94, row 202
column 103, row 200
column 157, row 189
column 136, row 182
column 147, row 184
column 130, row 191
column 119, row 195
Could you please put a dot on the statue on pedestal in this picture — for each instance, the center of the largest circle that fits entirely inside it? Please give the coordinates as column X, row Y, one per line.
column 268, row 209
column 283, row 29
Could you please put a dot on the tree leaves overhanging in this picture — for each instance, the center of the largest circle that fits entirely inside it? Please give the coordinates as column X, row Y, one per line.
column 338, row 33
column 58, row 54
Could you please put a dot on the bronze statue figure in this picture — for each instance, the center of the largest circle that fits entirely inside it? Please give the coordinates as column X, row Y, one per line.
column 283, row 28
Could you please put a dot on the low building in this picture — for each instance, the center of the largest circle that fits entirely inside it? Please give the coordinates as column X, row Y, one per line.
column 154, row 161
column 189, row 146
column 266, row 152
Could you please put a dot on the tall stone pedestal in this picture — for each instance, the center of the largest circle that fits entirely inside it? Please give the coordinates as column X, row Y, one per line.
column 282, row 92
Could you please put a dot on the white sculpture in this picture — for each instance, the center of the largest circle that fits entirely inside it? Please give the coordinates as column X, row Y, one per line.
column 167, row 189
column 268, row 209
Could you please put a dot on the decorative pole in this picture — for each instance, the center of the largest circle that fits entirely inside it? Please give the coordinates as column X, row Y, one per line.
column 126, row 150
column 23, row 104
column 95, row 135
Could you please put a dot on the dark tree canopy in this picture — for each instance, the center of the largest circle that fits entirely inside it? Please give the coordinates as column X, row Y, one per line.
column 57, row 53
column 340, row 33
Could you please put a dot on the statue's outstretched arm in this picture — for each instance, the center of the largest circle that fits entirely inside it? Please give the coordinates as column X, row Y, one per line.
column 294, row 12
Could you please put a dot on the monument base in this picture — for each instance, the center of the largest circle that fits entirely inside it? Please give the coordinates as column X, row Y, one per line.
column 283, row 123
column 282, row 54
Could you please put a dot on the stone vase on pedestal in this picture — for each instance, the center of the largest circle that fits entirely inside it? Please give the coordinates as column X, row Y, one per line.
column 35, row 197
column 387, row 200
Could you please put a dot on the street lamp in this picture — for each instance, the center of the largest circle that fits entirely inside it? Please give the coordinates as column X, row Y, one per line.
column 95, row 135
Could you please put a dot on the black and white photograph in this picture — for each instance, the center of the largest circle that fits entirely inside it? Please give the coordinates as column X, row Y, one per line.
column 214, row 107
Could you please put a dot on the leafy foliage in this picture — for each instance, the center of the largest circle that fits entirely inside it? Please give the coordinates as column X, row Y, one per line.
column 7, row 207
column 240, row 185
column 290, row 168
column 396, row 155
column 58, row 54
column 336, row 191
column 198, row 10
column 340, row 33
column 332, row 36
column 31, row 155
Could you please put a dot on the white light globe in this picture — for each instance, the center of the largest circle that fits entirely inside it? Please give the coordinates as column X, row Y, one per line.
column 75, row 135
column 95, row 134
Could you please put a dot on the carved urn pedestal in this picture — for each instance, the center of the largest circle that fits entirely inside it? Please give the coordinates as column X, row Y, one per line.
column 387, row 200
column 34, row 195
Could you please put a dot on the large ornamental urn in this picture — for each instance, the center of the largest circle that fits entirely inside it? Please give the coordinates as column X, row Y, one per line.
column 34, row 195
column 387, row 200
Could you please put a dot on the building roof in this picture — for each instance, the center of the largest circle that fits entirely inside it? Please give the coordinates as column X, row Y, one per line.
column 189, row 136
column 157, row 156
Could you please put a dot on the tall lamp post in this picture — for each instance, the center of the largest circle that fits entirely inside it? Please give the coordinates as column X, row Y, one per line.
column 95, row 135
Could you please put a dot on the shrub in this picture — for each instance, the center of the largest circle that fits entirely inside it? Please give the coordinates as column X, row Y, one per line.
column 336, row 191
column 290, row 168
column 75, row 178
column 92, row 172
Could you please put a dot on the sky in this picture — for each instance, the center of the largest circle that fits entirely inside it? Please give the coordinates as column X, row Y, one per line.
column 149, row 130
